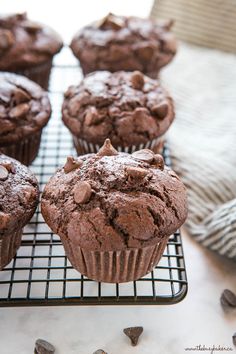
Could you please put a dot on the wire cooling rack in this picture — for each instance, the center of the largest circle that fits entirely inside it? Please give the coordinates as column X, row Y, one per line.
column 41, row 274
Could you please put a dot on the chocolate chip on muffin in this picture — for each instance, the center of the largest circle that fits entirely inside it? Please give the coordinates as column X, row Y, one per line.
column 125, row 43
column 72, row 164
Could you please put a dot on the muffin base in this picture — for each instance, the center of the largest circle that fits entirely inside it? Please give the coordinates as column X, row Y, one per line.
column 39, row 74
column 83, row 147
column 9, row 245
column 25, row 150
column 114, row 266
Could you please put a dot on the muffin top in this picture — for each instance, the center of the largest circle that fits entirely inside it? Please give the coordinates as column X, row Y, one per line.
column 113, row 201
column 124, row 43
column 19, row 194
column 129, row 108
column 24, row 43
column 24, row 107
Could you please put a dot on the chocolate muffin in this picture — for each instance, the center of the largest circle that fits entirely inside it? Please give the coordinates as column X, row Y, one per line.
column 27, row 47
column 24, row 111
column 114, row 212
column 130, row 109
column 125, row 43
column 19, row 196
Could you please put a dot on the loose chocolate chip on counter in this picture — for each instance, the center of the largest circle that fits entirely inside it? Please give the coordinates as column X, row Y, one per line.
column 160, row 110
column 107, row 149
column 137, row 80
column 158, row 161
column 43, row 347
column 72, row 164
column 136, row 172
column 3, row 173
column 100, row 351
column 82, row 192
column 145, row 155
column 19, row 111
column 133, row 333
column 228, row 299
column 234, row 339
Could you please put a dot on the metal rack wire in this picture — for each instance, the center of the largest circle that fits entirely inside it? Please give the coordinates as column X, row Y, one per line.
column 41, row 274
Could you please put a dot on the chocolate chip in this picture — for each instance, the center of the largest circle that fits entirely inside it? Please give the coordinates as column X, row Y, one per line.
column 6, row 39
column 82, row 192
column 133, row 333
column 44, row 347
column 107, row 149
column 167, row 24
column 20, row 96
column 228, row 299
column 19, row 111
column 100, row 351
column 136, row 172
column 8, row 165
column 111, row 22
column 158, row 162
column 3, row 173
column 234, row 339
column 72, row 164
column 145, row 155
column 91, row 116
column 137, row 80
column 160, row 110
column 31, row 27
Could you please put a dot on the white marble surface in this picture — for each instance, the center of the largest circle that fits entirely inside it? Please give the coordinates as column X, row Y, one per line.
column 198, row 319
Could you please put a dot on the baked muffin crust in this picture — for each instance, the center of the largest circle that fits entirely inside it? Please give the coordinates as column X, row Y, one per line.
column 114, row 201
column 127, row 107
column 24, row 108
column 25, row 43
column 124, row 43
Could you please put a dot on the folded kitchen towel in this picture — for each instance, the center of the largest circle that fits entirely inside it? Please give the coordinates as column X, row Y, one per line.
column 203, row 137
column 203, row 142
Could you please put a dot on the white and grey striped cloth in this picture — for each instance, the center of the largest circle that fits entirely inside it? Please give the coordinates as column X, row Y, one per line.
column 203, row 137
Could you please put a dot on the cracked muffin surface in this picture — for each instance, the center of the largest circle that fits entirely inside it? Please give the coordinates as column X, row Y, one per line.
column 25, row 43
column 129, row 108
column 125, row 43
column 19, row 195
column 24, row 108
column 114, row 201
